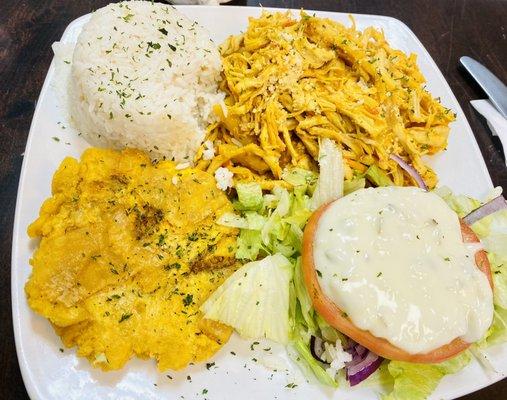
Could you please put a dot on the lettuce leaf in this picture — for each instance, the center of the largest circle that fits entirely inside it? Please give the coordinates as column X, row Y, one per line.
column 255, row 300
column 305, row 303
column 312, row 364
column 497, row 332
column 353, row 185
column 418, row 381
column 330, row 183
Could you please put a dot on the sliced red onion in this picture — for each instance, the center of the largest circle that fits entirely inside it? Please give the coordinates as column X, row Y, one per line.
column 497, row 204
column 410, row 170
column 363, row 364
column 362, row 370
column 317, row 348
column 360, row 350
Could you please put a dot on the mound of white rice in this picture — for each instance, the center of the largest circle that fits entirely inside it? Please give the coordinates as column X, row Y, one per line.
column 144, row 76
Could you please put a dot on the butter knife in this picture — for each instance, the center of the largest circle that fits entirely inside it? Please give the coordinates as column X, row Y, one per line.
column 494, row 87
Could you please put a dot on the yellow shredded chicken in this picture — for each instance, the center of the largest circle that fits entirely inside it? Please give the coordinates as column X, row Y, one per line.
column 291, row 82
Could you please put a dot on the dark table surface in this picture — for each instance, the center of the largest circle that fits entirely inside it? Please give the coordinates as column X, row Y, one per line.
column 447, row 28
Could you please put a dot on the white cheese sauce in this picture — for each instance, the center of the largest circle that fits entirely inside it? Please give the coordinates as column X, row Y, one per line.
column 393, row 259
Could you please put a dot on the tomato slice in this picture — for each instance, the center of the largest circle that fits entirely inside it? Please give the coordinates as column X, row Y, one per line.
column 338, row 319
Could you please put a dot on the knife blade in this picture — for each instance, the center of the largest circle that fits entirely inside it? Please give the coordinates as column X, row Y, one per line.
column 494, row 87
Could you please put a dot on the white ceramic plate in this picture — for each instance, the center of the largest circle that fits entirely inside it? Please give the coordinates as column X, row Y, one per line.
column 49, row 372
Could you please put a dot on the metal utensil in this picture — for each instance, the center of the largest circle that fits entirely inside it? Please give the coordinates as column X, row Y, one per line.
column 494, row 87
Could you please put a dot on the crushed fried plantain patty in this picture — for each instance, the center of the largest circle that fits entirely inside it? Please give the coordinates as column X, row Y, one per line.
column 129, row 250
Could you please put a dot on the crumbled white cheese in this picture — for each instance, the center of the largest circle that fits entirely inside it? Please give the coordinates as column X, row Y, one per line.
column 209, row 150
column 335, row 356
column 175, row 180
column 224, row 178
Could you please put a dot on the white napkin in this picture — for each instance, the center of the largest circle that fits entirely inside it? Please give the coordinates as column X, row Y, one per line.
column 496, row 122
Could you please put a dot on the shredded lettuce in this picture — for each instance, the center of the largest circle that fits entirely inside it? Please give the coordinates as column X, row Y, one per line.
column 276, row 227
column 271, row 225
column 249, row 245
column 377, row 176
column 249, row 196
column 255, row 300
column 300, row 177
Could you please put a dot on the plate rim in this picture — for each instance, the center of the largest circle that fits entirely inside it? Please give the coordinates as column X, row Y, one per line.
column 17, row 293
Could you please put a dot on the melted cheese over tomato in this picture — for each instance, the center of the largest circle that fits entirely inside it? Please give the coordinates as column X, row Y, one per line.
column 393, row 259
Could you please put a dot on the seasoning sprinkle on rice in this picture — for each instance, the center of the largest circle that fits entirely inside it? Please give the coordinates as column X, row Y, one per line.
column 144, row 76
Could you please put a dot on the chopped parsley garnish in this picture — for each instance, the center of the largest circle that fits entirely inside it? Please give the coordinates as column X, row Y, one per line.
column 179, row 252
column 172, row 266
column 125, row 316
column 161, row 240
column 128, row 17
column 188, row 299
column 155, row 46
column 163, row 31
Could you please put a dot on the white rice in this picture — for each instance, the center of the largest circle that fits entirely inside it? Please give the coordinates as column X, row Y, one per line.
column 144, row 76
